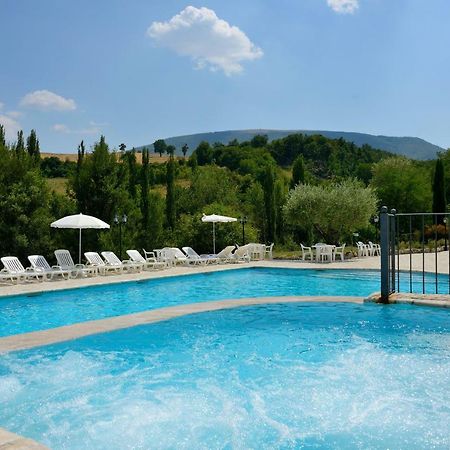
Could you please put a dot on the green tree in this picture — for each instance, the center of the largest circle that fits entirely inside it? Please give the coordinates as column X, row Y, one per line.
column 402, row 184
column 269, row 203
column 170, row 150
column 160, row 146
column 184, row 150
column 33, row 147
column 122, row 147
column 170, row 194
column 259, row 141
column 298, row 171
column 439, row 199
column 20, row 145
column 204, row 153
column 130, row 159
column 332, row 211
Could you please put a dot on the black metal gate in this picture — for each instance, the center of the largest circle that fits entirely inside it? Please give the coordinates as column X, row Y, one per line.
column 417, row 234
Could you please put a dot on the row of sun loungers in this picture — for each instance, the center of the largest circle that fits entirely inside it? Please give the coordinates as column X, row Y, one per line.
column 109, row 263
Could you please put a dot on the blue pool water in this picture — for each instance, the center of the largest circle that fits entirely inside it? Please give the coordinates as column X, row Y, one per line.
column 29, row 313
column 275, row 376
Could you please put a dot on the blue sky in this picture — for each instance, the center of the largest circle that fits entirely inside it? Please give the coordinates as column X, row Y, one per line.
column 146, row 69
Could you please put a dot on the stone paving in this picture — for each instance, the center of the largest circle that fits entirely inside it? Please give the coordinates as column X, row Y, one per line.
column 11, row 441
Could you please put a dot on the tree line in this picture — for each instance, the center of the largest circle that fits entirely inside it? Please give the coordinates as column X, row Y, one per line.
column 296, row 189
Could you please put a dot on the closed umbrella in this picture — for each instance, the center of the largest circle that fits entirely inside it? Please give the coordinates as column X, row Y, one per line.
column 80, row 222
column 215, row 218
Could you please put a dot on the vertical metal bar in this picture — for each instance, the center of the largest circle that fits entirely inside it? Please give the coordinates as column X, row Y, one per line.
column 435, row 254
column 423, row 254
column 398, row 253
column 410, row 255
column 448, row 240
column 392, row 236
column 384, row 243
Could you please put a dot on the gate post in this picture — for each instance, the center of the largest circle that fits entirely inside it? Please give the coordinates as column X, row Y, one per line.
column 392, row 249
column 384, row 243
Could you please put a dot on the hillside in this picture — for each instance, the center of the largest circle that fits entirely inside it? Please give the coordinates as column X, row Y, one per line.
column 412, row 147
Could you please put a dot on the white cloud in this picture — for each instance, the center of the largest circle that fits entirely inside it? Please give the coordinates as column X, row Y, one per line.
column 47, row 100
column 93, row 128
column 11, row 126
column 343, row 6
column 60, row 128
column 14, row 114
column 1, row 105
column 209, row 41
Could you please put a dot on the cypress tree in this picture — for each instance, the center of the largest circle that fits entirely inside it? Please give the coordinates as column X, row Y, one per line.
column 170, row 195
column 298, row 172
column 144, row 194
column 33, row 147
column 269, row 202
column 20, row 145
column 439, row 200
column 2, row 136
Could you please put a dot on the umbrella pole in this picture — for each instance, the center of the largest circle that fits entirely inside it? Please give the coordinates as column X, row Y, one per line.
column 79, row 249
column 214, row 237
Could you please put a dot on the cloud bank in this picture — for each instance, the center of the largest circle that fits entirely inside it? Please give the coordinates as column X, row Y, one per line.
column 343, row 6
column 47, row 100
column 209, row 41
column 93, row 128
column 11, row 126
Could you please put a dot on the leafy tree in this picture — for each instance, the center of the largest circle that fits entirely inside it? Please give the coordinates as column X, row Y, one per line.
column 333, row 210
column 184, row 150
column 259, row 141
column 20, row 145
column 298, row 171
column 160, row 146
column 402, row 184
column 2, row 136
column 122, row 147
column 439, row 200
column 204, row 153
column 170, row 195
column 170, row 150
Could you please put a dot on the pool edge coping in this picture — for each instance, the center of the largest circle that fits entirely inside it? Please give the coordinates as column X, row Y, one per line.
column 10, row 440
column 33, row 339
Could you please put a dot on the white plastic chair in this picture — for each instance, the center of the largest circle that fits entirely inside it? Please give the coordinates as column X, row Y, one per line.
column 363, row 249
column 40, row 264
column 375, row 249
column 339, row 251
column 306, row 251
column 195, row 258
column 268, row 251
column 225, row 255
column 241, row 254
column 325, row 252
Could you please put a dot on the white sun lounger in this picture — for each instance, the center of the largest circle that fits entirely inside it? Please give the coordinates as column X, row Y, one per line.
column 194, row 258
column 242, row 254
column 226, row 255
column 40, row 264
column 95, row 260
column 113, row 261
column 15, row 272
column 147, row 263
column 65, row 261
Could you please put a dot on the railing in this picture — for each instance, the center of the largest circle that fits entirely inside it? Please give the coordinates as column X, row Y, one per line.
column 397, row 228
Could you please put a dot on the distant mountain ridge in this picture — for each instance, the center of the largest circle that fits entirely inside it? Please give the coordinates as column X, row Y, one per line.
column 411, row 147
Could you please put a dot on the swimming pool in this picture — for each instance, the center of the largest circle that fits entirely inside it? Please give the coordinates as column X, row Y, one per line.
column 20, row 314
column 275, row 376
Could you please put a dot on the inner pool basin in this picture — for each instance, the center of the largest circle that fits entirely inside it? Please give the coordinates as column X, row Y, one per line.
column 21, row 314
column 298, row 375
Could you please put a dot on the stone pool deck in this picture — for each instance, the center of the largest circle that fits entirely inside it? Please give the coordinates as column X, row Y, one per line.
column 355, row 263
column 11, row 441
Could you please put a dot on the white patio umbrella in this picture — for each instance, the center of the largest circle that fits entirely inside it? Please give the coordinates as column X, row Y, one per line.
column 80, row 222
column 215, row 218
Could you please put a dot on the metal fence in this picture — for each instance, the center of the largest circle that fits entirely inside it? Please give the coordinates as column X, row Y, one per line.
column 417, row 234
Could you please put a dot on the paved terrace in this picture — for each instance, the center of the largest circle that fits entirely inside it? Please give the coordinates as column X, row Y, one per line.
column 371, row 262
